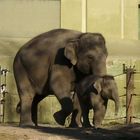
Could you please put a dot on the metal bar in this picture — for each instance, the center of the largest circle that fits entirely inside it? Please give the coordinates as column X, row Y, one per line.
column 115, row 118
column 1, row 105
column 5, row 83
column 122, row 95
column 119, row 74
column 137, row 72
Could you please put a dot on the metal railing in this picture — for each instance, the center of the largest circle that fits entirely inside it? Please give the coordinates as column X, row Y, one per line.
column 3, row 91
column 130, row 72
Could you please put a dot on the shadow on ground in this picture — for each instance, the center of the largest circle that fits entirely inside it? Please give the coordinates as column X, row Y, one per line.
column 130, row 132
column 49, row 132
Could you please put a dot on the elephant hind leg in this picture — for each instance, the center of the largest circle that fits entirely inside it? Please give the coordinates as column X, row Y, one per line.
column 26, row 94
column 25, row 114
column 34, row 109
column 25, row 91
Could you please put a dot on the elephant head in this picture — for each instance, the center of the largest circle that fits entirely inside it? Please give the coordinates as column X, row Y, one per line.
column 107, row 87
column 88, row 53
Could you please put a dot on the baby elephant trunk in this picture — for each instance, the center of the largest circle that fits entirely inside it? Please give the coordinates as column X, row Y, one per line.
column 116, row 107
column 117, row 103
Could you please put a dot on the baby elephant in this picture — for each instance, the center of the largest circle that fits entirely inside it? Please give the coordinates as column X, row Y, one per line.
column 93, row 93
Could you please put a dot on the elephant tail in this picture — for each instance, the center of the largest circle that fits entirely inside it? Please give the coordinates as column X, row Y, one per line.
column 18, row 108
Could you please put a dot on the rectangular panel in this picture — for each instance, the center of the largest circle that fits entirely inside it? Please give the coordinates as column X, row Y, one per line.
column 27, row 18
column 104, row 17
column 71, row 14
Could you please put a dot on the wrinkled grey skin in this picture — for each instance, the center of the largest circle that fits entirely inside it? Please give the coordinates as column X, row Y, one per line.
column 51, row 63
column 94, row 92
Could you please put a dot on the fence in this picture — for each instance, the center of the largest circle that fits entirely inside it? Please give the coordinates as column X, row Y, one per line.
column 3, row 91
column 130, row 73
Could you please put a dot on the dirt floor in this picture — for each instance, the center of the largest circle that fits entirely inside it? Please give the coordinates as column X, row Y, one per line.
column 45, row 132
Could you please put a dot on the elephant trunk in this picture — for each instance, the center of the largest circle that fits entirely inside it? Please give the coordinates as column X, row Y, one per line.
column 116, row 107
column 117, row 103
column 100, row 68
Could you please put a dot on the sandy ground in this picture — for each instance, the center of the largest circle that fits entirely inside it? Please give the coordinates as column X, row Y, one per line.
column 45, row 132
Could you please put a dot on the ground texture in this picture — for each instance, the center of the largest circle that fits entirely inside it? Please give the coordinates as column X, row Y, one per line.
column 45, row 132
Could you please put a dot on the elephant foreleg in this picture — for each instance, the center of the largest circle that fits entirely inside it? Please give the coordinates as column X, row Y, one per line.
column 67, row 108
column 77, row 113
column 99, row 114
column 85, row 114
column 60, row 83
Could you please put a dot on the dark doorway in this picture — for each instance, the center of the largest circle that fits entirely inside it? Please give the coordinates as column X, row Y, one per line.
column 139, row 21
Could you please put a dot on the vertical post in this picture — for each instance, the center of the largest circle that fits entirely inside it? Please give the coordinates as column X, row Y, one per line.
column 3, row 73
column 4, row 91
column 84, row 15
column 129, row 94
column 1, row 107
column 122, row 19
column 51, row 108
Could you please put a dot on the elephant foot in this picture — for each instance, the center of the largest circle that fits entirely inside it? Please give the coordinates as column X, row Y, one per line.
column 97, row 126
column 35, row 123
column 26, row 125
column 59, row 117
column 75, row 126
column 87, row 125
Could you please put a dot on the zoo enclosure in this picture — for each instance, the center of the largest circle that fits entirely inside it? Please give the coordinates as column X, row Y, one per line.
column 129, row 95
column 130, row 73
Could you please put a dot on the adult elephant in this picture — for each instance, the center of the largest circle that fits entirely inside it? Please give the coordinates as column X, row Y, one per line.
column 93, row 92
column 54, row 61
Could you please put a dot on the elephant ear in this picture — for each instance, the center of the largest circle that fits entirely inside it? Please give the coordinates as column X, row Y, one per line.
column 97, row 86
column 70, row 52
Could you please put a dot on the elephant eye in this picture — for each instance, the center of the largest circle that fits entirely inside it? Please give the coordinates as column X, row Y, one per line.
column 90, row 57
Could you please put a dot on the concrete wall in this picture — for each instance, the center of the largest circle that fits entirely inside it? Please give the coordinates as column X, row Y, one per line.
column 71, row 16
column 130, row 19
column 27, row 18
column 104, row 17
column 113, row 18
